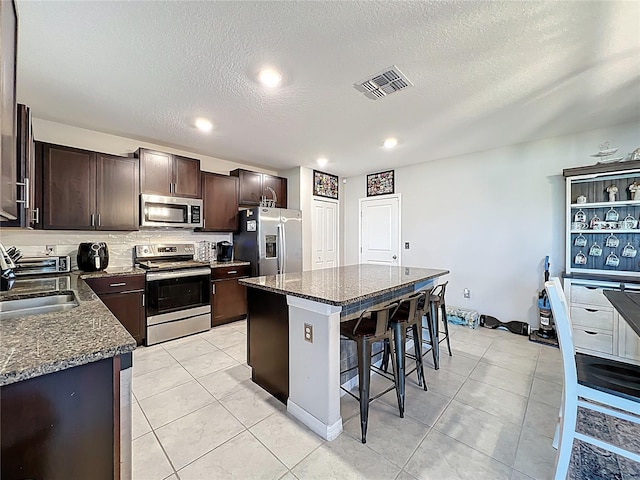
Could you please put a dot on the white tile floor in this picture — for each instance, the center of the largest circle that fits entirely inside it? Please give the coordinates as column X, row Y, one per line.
column 489, row 414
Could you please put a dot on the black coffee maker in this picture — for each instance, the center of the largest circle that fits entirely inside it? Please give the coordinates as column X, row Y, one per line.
column 224, row 251
column 93, row 257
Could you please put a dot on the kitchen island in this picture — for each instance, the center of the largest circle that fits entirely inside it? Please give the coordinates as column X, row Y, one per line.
column 293, row 328
column 65, row 385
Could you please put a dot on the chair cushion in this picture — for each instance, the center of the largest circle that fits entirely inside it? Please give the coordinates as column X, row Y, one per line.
column 616, row 378
column 367, row 328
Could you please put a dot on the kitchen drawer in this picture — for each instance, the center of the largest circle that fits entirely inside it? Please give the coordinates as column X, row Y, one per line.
column 115, row 284
column 221, row 273
column 589, row 295
column 601, row 319
column 592, row 340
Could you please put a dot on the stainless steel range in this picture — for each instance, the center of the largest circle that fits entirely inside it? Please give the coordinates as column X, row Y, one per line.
column 178, row 297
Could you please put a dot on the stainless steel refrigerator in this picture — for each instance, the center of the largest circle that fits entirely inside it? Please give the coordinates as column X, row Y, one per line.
column 271, row 239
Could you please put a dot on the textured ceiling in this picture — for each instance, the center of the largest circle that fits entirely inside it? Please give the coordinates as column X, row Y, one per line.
column 486, row 74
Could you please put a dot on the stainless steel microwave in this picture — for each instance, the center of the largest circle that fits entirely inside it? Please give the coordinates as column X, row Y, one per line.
column 161, row 211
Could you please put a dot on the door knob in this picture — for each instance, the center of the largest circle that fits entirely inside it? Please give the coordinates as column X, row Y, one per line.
column 395, row 257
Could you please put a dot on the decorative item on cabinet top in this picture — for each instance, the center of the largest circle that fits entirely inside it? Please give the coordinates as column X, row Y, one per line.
column 606, row 151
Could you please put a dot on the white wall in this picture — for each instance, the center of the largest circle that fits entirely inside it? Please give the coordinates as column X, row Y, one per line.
column 489, row 217
column 33, row 242
column 299, row 196
column 58, row 133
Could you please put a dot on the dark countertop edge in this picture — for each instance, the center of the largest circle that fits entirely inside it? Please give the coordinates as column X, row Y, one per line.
column 106, row 273
column 121, row 271
column 601, row 277
column 16, row 376
column 235, row 263
column 338, row 303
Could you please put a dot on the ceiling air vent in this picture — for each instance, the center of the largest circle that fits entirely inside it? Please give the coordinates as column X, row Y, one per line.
column 383, row 83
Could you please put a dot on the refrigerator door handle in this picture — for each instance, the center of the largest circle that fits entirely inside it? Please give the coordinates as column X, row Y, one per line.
column 283, row 250
column 279, row 254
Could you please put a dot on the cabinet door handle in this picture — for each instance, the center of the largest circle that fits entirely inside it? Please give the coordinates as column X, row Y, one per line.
column 93, row 220
column 591, row 310
column 24, row 184
column 98, row 219
column 122, row 284
column 213, row 288
column 35, row 215
column 143, row 299
column 231, row 272
column 590, row 333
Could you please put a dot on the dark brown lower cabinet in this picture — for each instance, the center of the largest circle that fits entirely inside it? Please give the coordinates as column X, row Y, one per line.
column 63, row 425
column 128, row 307
column 228, row 297
column 124, row 296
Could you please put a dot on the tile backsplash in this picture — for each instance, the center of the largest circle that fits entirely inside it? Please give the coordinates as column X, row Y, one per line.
column 120, row 244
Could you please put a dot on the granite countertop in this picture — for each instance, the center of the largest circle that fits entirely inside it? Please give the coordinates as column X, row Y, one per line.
column 343, row 285
column 39, row 344
column 235, row 263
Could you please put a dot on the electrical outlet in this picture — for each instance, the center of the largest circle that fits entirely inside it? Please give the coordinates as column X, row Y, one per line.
column 406, row 245
column 466, row 293
column 51, row 249
column 308, row 332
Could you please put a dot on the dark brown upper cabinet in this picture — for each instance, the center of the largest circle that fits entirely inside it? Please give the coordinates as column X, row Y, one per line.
column 170, row 175
column 84, row 190
column 117, row 194
column 254, row 186
column 220, row 199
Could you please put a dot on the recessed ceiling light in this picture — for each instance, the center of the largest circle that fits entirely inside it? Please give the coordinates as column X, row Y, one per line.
column 390, row 143
column 322, row 161
column 203, row 125
column 270, row 78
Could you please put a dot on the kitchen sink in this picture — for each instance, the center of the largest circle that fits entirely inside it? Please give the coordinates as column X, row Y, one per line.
column 23, row 307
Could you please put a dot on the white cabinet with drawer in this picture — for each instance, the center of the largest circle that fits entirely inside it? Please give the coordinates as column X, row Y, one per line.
column 589, row 295
column 598, row 329
column 587, row 339
column 592, row 317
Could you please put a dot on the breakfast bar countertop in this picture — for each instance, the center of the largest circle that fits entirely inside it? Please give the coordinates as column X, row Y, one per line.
column 36, row 345
column 343, row 285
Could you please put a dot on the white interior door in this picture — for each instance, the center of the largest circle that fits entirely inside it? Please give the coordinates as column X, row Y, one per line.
column 325, row 234
column 380, row 230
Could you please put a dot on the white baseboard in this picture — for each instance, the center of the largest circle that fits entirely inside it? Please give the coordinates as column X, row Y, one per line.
column 328, row 432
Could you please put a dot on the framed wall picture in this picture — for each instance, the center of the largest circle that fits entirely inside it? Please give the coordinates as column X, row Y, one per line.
column 325, row 185
column 380, row 183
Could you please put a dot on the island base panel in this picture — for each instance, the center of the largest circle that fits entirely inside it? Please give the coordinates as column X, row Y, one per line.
column 61, row 425
column 268, row 341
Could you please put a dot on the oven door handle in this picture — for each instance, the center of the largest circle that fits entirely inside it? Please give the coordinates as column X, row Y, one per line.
column 193, row 272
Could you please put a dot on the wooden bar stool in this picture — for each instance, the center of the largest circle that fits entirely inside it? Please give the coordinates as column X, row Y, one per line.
column 371, row 326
